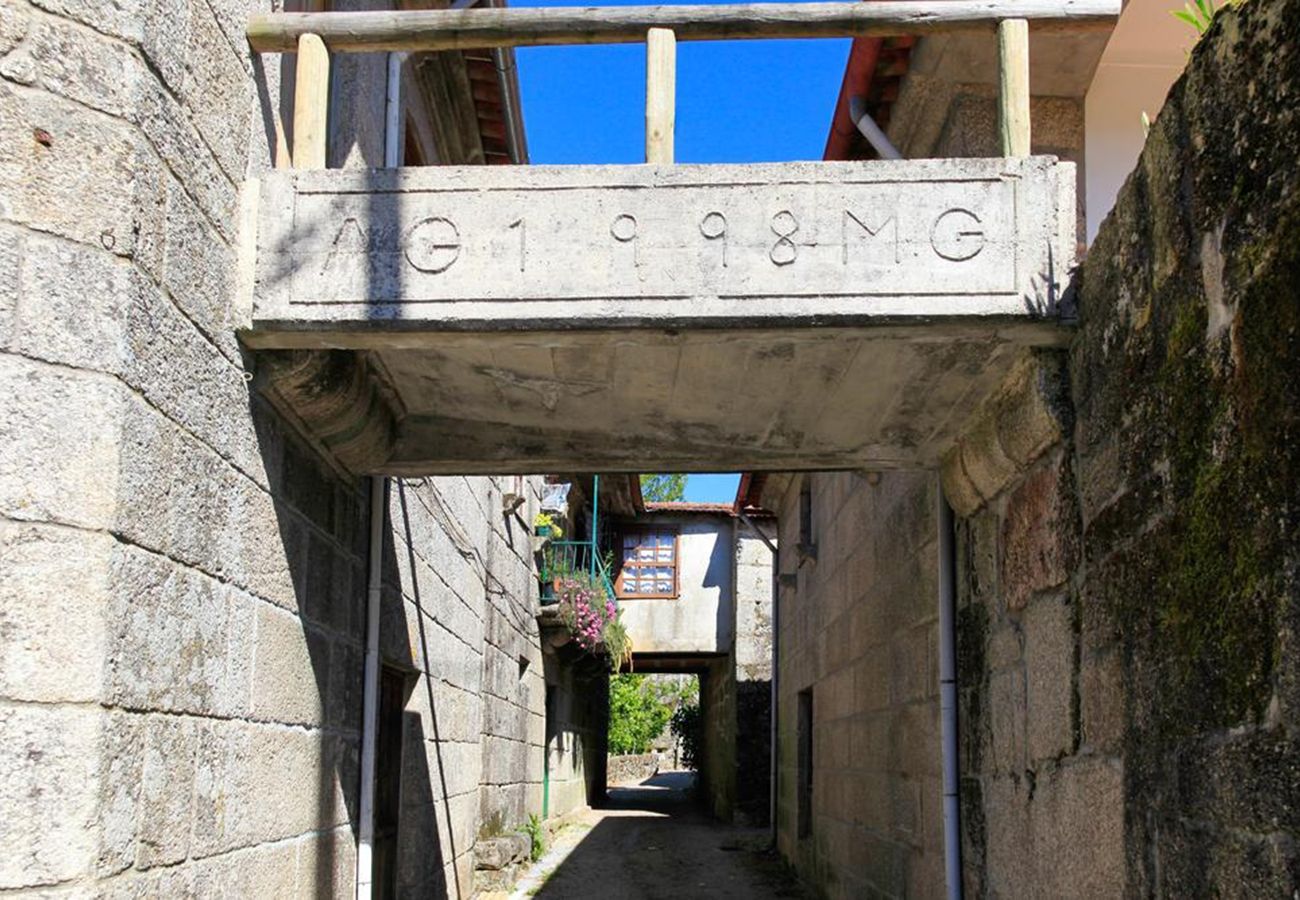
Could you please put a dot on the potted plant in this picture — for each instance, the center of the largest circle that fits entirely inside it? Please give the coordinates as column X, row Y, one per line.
column 545, row 526
column 591, row 617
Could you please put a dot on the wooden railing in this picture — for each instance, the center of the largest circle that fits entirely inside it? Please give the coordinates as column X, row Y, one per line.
column 315, row 35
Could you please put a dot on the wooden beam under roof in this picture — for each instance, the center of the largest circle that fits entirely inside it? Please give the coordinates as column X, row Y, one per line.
column 384, row 30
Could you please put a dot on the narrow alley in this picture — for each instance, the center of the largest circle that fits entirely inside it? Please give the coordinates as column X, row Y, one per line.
column 653, row 841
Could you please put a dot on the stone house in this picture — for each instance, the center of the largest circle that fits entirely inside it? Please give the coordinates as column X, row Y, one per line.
column 1117, row 578
column 193, row 559
column 185, row 570
column 694, row 584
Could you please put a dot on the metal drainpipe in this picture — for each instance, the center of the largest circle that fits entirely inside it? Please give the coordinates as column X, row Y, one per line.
column 875, row 136
column 503, row 58
column 774, row 695
column 370, row 702
column 374, row 561
column 948, row 697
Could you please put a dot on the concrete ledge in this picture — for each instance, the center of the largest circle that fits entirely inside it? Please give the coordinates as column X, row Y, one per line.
column 483, row 248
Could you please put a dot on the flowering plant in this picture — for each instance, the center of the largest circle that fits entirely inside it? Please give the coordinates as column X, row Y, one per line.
column 591, row 615
column 585, row 608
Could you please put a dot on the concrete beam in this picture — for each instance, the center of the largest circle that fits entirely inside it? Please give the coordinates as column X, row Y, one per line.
column 361, row 253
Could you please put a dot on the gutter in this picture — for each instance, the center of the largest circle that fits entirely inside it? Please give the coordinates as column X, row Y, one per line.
column 370, row 702
column 374, row 561
column 503, row 58
column 858, row 75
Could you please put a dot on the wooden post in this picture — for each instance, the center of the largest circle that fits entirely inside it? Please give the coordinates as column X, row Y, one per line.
column 311, row 100
column 1013, row 86
column 660, row 94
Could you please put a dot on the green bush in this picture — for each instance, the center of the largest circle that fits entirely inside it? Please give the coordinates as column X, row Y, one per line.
column 638, row 712
column 687, row 726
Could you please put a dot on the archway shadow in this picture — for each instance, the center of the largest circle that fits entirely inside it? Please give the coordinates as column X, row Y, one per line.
column 322, row 519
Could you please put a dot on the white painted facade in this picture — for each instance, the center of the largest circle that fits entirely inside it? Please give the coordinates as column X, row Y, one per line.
column 701, row 619
column 1144, row 56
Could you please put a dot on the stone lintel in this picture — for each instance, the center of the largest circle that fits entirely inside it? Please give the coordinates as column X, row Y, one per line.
column 789, row 244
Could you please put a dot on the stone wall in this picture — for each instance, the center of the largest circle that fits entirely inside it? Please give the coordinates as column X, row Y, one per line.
column 1042, row 806
column 633, row 768
column 576, row 733
column 473, row 725
column 183, row 580
column 1129, row 604
column 753, row 667
column 859, row 627
column 717, row 764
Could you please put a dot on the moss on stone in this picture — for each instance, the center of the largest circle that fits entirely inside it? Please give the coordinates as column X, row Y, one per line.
column 1196, row 559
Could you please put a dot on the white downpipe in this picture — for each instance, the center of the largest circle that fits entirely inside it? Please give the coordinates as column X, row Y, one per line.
column 948, row 697
column 875, row 136
column 370, row 702
column 393, row 112
column 374, row 560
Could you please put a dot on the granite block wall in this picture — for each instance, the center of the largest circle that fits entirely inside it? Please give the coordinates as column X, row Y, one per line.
column 859, row 630
column 182, row 579
column 1127, row 549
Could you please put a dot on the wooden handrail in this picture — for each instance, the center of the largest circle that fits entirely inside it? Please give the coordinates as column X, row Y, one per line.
column 357, row 32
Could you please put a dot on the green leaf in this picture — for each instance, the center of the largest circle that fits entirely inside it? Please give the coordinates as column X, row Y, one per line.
column 663, row 488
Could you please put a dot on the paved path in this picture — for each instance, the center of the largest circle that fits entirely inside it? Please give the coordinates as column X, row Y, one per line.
column 652, row 842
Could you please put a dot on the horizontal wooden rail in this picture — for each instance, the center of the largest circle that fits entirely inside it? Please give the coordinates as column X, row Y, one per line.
column 480, row 28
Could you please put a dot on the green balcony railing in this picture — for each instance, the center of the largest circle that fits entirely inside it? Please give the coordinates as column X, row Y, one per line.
column 560, row 557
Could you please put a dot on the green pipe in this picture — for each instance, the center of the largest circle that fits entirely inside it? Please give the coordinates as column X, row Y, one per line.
column 595, row 522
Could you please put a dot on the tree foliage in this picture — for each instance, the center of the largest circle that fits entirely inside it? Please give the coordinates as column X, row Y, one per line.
column 663, row 488
column 688, row 728
column 639, row 709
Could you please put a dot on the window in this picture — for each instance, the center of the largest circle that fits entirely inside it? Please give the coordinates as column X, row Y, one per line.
column 805, row 762
column 807, row 547
column 648, row 564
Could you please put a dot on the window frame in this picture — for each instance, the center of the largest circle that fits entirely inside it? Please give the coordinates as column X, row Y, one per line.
column 644, row 530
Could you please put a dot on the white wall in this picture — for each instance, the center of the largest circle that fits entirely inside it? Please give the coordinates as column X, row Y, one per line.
column 702, row 618
column 1145, row 55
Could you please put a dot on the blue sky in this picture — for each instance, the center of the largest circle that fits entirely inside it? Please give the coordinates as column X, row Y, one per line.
column 737, row 101
column 717, row 488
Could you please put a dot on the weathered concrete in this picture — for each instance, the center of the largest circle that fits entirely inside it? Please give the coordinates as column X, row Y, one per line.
column 792, row 316
column 762, row 399
column 484, row 248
